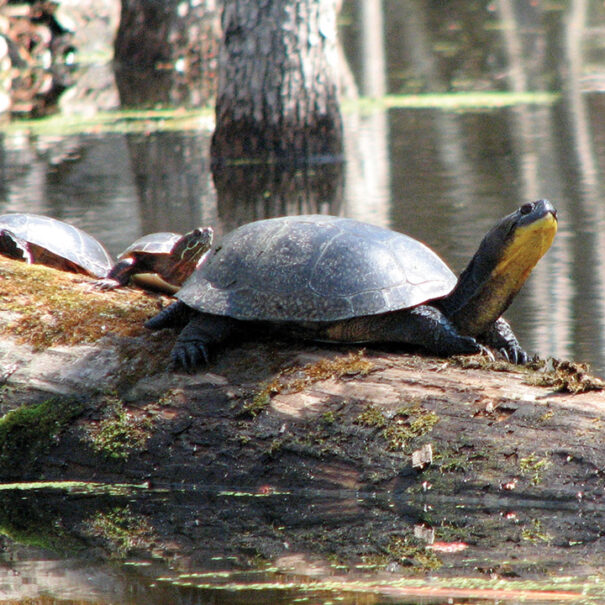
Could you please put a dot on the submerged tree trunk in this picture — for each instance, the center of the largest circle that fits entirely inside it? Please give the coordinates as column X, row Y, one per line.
column 165, row 53
column 277, row 91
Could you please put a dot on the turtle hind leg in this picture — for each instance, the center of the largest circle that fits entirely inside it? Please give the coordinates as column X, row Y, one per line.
column 203, row 330
column 175, row 315
column 423, row 326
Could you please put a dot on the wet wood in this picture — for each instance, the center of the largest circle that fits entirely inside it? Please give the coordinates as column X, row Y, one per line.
column 353, row 417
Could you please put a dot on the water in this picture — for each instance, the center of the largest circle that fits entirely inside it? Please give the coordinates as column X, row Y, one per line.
column 206, row 544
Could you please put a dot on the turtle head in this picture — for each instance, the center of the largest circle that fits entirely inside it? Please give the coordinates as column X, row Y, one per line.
column 191, row 247
column 506, row 257
column 13, row 246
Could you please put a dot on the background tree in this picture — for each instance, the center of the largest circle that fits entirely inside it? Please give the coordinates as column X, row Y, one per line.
column 165, row 52
column 277, row 93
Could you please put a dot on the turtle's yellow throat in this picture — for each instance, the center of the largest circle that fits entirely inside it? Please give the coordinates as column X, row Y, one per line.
column 528, row 246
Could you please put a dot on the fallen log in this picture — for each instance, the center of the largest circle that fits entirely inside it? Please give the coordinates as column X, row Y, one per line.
column 86, row 396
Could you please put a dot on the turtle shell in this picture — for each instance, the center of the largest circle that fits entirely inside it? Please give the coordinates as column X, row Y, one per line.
column 315, row 268
column 71, row 248
column 153, row 244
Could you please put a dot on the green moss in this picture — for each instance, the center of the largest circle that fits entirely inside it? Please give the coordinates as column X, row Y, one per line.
column 275, row 446
column 534, row 467
column 121, row 434
column 408, row 423
column 31, row 430
column 121, row 530
column 130, row 121
column 480, row 362
column 59, row 308
column 328, row 417
column 450, row 461
column 563, row 376
column 535, row 533
column 546, row 416
column 259, row 402
column 408, row 551
column 371, row 417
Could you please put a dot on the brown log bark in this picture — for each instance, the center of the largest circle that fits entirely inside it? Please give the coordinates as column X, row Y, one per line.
column 277, row 92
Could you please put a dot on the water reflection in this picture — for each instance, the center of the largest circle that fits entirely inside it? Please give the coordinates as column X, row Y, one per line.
column 171, row 172
column 251, row 192
column 200, row 544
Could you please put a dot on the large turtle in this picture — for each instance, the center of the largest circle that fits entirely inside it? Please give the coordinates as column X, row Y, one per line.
column 38, row 239
column 162, row 261
column 335, row 279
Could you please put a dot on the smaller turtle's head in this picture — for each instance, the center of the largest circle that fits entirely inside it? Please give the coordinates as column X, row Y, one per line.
column 506, row 257
column 193, row 245
column 12, row 246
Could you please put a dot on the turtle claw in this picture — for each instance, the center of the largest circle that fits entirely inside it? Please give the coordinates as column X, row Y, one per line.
column 502, row 339
column 515, row 355
column 487, row 352
column 188, row 356
column 106, row 284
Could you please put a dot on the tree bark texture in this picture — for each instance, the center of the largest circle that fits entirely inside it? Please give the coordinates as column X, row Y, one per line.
column 165, row 52
column 277, row 92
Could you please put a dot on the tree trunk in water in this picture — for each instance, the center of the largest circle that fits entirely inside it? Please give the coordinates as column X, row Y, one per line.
column 165, row 53
column 277, row 92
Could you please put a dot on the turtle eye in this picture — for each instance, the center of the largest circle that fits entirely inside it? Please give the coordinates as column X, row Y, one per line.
column 526, row 208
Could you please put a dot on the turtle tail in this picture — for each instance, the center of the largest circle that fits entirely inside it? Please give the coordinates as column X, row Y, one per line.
column 175, row 315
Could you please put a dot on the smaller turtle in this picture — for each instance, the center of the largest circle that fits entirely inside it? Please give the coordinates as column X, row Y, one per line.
column 43, row 240
column 160, row 261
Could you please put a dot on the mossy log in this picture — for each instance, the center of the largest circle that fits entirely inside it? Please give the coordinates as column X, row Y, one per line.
column 286, row 411
column 276, row 417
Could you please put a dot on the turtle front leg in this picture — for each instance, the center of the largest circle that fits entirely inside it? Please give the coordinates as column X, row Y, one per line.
column 118, row 277
column 203, row 330
column 502, row 338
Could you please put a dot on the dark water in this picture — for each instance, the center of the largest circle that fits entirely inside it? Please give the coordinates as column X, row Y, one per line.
column 135, row 546
column 443, row 176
